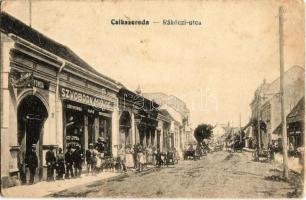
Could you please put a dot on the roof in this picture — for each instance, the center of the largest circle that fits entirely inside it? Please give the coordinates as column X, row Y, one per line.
column 297, row 113
column 170, row 100
column 9, row 24
column 278, row 130
column 290, row 75
column 165, row 113
column 293, row 78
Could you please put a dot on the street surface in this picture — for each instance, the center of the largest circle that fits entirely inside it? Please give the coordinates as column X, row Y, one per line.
column 219, row 174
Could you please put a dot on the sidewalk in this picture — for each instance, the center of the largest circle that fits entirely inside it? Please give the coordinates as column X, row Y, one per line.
column 44, row 188
column 293, row 163
column 248, row 149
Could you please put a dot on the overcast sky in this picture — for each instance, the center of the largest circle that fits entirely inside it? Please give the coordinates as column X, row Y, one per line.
column 215, row 68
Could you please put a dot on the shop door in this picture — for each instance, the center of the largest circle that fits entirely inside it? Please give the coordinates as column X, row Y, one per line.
column 91, row 129
column 31, row 118
column 158, row 140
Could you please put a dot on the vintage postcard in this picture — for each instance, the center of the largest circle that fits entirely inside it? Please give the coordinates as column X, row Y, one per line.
column 152, row 99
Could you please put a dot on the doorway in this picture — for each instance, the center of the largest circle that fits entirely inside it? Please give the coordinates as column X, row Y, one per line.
column 31, row 114
column 125, row 126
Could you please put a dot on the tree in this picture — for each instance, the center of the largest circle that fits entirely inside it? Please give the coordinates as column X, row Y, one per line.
column 203, row 131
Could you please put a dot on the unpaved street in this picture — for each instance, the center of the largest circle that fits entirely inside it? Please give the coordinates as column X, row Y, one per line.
column 220, row 174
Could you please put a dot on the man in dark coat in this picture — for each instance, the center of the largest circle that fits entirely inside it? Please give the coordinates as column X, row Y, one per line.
column 60, row 164
column 22, row 166
column 51, row 161
column 32, row 161
column 89, row 158
column 69, row 163
column 77, row 160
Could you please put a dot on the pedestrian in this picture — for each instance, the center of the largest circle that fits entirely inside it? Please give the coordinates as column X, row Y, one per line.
column 69, row 163
column 90, row 159
column 271, row 152
column 22, row 166
column 140, row 158
column 77, row 161
column 32, row 163
column 159, row 161
column 60, row 164
column 121, row 154
column 51, row 161
column 135, row 152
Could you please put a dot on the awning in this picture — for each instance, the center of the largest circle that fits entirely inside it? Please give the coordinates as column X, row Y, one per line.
column 278, row 130
column 297, row 113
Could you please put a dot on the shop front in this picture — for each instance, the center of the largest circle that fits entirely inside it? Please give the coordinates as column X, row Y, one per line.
column 295, row 126
column 49, row 97
column 86, row 118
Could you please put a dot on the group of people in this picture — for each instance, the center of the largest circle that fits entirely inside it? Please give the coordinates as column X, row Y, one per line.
column 137, row 157
column 63, row 165
column 68, row 165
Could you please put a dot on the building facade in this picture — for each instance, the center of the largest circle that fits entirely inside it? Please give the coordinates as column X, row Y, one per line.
column 266, row 106
column 180, row 116
column 138, row 119
column 296, row 125
column 50, row 96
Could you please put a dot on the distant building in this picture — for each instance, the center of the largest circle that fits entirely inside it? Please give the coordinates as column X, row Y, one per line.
column 266, row 105
column 219, row 131
column 179, row 113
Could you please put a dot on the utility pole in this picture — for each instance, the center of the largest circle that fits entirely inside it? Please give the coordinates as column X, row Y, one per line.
column 258, row 122
column 283, row 124
column 30, row 13
column 240, row 127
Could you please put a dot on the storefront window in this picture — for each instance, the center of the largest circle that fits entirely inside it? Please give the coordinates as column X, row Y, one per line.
column 105, row 133
column 74, row 126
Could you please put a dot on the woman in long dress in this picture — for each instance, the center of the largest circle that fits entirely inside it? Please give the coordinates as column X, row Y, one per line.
column 141, row 159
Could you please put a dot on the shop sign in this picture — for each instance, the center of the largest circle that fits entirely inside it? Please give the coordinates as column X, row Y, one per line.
column 40, row 84
column 83, row 98
column 73, row 107
column 73, row 141
column 26, row 79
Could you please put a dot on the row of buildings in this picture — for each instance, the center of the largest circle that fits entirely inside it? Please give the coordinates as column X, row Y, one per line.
column 266, row 111
column 266, row 114
column 50, row 96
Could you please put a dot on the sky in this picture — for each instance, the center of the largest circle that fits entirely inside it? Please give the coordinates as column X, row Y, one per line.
column 215, row 68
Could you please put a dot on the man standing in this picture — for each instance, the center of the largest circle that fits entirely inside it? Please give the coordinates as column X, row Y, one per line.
column 60, row 164
column 32, row 163
column 89, row 159
column 22, row 166
column 77, row 160
column 121, row 154
column 69, row 163
column 50, row 160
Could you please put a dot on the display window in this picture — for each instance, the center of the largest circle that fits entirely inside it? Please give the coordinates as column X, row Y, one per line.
column 105, row 133
column 74, row 126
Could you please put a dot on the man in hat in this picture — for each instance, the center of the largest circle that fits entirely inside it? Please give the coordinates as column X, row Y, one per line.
column 69, row 163
column 32, row 163
column 51, row 161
